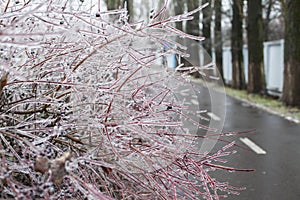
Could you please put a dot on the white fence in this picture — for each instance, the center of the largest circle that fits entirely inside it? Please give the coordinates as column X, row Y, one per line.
column 273, row 62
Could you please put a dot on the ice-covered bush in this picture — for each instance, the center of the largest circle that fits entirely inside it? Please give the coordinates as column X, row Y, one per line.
column 89, row 112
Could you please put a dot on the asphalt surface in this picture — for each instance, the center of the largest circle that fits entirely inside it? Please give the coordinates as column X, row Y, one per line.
column 277, row 172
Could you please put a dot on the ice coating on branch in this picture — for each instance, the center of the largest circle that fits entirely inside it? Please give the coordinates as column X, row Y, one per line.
column 89, row 108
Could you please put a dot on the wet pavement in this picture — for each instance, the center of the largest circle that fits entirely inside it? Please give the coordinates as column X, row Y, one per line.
column 277, row 172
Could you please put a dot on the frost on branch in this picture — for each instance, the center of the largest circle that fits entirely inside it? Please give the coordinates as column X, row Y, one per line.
column 88, row 110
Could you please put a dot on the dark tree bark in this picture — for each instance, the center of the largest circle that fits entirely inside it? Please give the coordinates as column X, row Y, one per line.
column 272, row 10
column 256, row 75
column 179, row 9
column 129, row 8
column 218, row 43
column 112, row 4
column 116, row 4
column 192, row 26
column 291, row 88
column 238, row 77
column 267, row 19
column 206, row 25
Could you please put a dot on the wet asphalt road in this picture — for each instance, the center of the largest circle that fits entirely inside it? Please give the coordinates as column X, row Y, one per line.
column 277, row 173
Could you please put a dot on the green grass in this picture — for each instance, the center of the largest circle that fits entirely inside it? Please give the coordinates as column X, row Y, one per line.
column 267, row 103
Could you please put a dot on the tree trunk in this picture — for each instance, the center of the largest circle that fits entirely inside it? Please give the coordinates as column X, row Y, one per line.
column 267, row 19
column 116, row 4
column 291, row 89
column 111, row 4
column 179, row 9
column 238, row 77
column 193, row 28
column 129, row 8
column 218, row 43
column 206, row 23
column 256, row 75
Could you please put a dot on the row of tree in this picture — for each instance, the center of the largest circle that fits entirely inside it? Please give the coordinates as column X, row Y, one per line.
column 254, row 19
column 252, row 23
column 257, row 32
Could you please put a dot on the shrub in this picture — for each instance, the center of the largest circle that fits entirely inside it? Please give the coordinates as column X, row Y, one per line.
column 88, row 111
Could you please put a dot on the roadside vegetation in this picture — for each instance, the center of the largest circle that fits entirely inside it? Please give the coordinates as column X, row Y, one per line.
column 268, row 103
column 87, row 113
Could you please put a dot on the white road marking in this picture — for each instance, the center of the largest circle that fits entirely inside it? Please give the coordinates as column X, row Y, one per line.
column 214, row 116
column 195, row 102
column 253, row 146
column 182, row 93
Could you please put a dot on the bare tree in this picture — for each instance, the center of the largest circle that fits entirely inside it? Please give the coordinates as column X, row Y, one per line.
column 268, row 9
column 291, row 90
column 256, row 75
column 112, row 4
column 179, row 9
column 192, row 26
column 129, row 6
column 218, row 43
column 272, row 15
column 206, row 26
column 116, row 4
column 238, row 78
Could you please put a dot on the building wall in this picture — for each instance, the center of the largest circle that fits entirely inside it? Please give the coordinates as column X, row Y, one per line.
column 273, row 62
